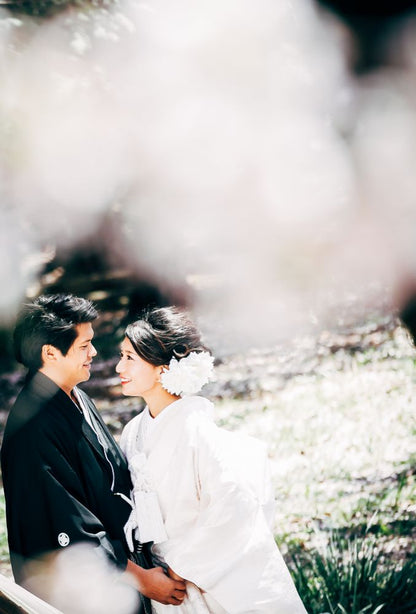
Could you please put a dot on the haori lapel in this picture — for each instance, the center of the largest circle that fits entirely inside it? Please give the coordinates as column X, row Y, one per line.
column 92, row 438
column 62, row 403
column 70, row 406
column 52, row 395
column 99, row 435
column 87, row 430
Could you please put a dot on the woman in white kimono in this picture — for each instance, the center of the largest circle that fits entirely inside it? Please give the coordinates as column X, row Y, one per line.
column 201, row 493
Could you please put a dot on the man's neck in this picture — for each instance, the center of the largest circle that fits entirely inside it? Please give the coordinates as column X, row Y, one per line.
column 57, row 379
column 74, row 398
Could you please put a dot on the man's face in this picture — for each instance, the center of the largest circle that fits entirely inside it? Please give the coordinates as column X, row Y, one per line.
column 74, row 367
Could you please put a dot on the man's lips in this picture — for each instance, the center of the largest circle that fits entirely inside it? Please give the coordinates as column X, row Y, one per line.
column 124, row 380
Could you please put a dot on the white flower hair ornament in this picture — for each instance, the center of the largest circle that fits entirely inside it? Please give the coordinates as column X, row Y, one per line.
column 187, row 375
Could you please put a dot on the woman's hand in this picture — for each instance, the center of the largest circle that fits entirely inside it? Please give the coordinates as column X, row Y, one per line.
column 155, row 584
column 174, row 575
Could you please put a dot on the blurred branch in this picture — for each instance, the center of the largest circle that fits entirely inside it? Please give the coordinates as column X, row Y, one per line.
column 47, row 8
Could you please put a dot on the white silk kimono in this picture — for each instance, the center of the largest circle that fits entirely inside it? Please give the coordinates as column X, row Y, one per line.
column 214, row 496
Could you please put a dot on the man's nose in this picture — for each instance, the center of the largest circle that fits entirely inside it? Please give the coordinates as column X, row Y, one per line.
column 93, row 351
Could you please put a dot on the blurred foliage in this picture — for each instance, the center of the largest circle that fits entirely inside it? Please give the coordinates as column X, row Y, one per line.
column 368, row 9
column 119, row 294
column 48, row 8
column 7, row 361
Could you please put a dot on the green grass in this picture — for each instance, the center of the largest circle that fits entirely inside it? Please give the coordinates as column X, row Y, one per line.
column 4, row 551
column 353, row 576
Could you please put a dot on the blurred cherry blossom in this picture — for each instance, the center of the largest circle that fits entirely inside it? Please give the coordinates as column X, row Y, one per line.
column 229, row 141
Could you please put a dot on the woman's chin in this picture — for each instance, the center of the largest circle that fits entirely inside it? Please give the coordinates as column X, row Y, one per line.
column 127, row 392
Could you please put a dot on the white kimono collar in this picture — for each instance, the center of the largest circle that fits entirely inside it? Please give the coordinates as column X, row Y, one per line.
column 146, row 517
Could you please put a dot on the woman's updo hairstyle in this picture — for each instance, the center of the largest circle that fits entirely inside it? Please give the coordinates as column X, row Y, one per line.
column 164, row 333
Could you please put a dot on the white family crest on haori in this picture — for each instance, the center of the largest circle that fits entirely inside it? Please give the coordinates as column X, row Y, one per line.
column 189, row 374
column 63, row 539
column 215, row 499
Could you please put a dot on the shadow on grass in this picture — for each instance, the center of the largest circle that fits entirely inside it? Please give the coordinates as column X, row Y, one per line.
column 387, row 507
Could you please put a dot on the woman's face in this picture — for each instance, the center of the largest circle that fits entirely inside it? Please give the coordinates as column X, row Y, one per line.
column 138, row 377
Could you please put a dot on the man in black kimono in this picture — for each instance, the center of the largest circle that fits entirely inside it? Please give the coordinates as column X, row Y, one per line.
column 65, row 479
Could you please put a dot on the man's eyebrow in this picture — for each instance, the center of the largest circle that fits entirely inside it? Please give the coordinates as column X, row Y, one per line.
column 86, row 340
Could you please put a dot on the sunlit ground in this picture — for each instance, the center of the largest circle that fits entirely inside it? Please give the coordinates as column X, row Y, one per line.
column 341, row 433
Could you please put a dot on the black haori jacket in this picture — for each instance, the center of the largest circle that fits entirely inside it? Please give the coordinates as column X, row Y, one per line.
column 59, row 486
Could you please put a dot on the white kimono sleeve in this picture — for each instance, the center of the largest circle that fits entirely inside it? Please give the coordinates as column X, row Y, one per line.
column 230, row 551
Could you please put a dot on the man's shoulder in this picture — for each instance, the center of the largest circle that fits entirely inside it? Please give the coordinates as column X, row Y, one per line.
column 38, row 407
column 27, row 406
column 23, row 426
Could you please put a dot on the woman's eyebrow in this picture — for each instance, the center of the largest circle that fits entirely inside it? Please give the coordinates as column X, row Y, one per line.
column 127, row 352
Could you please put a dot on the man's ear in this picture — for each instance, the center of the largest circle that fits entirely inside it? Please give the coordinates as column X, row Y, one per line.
column 49, row 354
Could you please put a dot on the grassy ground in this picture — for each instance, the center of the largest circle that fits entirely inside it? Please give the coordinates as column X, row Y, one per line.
column 4, row 553
column 342, row 438
column 338, row 415
column 341, row 432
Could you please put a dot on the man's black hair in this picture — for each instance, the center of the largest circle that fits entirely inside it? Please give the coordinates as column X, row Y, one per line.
column 49, row 320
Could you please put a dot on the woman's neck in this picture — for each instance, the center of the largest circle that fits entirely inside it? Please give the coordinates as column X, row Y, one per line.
column 159, row 400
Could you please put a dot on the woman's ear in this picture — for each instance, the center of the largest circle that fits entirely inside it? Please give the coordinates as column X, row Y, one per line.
column 161, row 369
